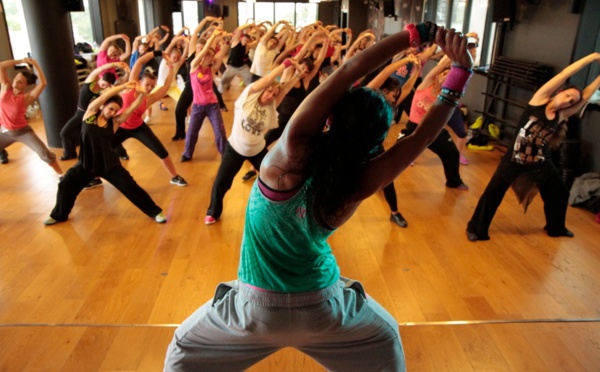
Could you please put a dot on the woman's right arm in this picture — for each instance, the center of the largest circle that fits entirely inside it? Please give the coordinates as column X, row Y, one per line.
column 294, row 148
column 95, row 75
column 4, row 66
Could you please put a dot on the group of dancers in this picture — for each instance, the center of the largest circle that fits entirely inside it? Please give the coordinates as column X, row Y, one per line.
column 311, row 120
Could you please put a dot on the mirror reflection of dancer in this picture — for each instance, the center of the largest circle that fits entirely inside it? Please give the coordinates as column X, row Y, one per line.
column 96, row 157
column 290, row 292
column 14, row 101
column 527, row 165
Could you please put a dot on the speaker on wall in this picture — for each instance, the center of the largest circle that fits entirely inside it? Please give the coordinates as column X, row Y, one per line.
column 389, row 10
column 74, row 5
column 176, row 6
column 225, row 11
column 504, row 10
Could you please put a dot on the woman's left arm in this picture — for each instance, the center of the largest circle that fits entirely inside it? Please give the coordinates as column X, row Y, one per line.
column 39, row 88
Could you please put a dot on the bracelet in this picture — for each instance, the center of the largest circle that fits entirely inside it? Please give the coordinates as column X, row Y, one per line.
column 287, row 63
column 452, row 93
column 447, row 101
column 427, row 31
column 457, row 79
column 413, row 34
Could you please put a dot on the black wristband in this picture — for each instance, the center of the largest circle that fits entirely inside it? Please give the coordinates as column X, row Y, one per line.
column 427, row 31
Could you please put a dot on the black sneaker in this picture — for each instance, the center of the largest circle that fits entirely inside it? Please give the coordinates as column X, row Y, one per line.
column 179, row 181
column 67, row 157
column 178, row 137
column 96, row 182
column 3, row 157
column 184, row 159
column 398, row 220
column 250, row 175
column 124, row 157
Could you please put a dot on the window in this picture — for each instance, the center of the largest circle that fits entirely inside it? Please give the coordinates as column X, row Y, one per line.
column 190, row 14
column 285, row 12
column 17, row 31
column 467, row 16
column 298, row 14
column 82, row 25
column 264, row 12
column 142, row 17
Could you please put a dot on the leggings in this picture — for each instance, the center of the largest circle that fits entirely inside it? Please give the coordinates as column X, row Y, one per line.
column 183, row 104
column 199, row 113
column 446, row 150
column 231, row 163
column 28, row 137
column 144, row 134
column 70, row 134
column 77, row 177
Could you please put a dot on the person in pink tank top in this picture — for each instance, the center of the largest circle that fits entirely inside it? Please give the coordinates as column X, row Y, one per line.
column 205, row 102
column 14, row 100
column 134, row 126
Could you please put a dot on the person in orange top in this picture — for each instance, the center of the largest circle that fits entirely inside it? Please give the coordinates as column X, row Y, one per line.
column 14, row 101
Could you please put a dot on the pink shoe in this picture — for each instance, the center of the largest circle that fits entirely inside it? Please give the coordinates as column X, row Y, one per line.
column 209, row 220
column 598, row 217
column 463, row 160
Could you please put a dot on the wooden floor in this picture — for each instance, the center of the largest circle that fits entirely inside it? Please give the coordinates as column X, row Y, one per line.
column 105, row 290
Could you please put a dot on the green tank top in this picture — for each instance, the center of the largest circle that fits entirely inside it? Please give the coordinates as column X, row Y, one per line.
column 284, row 249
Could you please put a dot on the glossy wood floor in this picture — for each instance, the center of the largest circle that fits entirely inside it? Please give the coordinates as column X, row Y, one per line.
column 105, row 290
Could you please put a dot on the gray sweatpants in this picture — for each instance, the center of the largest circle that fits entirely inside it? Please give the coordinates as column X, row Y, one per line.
column 339, row 326
column 28, row 137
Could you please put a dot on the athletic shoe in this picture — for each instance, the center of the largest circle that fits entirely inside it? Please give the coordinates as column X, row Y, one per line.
column 177, row 137
column 398, row 219
column 598, row 217
column 250, row 175
column 3, row 157
column 184, row 159
column 67, row 157
column 463, row 160
column 162, row 106
column 124, row 157
column 96, row 182
column 147, row 120
column 160, row 218
column 49, row 221
column 209, row 220
column 461, row 187
column 179, row 181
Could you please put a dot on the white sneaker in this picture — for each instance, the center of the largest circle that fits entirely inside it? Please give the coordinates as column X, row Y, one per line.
column 147, row 120
column 160, row 218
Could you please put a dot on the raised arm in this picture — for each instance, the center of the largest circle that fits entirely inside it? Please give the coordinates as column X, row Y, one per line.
column 139, row 64
column 543, row 94
column 209, row 45
column 39, row 88
column 4, row 66
column 443, row 64
column 124, row 115
column 196, row 33
column 382, row 170
column 106, row 42
column 95, row 75
column 378, row 80
column 125, row 56
column 95, row 105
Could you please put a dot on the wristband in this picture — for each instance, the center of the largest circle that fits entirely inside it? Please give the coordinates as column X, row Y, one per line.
column 457, row 79
column 447, row 101
column 287, row 63
column 413, row 34
column 427, row 31
column 452, row 93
